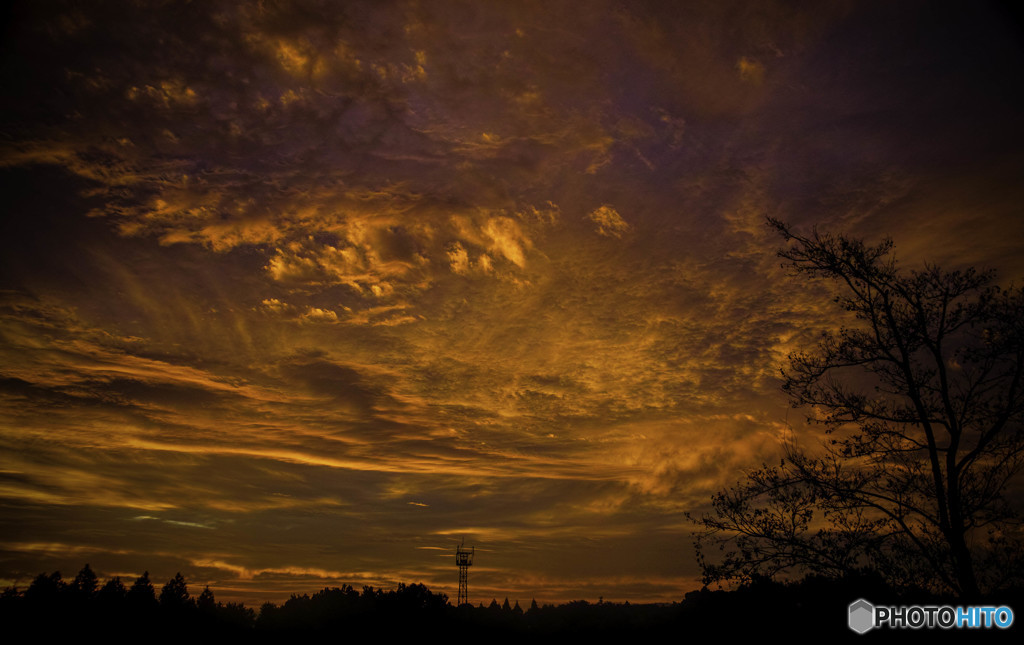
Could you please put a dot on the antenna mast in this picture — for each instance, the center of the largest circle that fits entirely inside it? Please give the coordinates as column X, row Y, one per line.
column 464, row 558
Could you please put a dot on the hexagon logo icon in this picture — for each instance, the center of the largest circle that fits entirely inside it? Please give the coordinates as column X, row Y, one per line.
column 862, row 616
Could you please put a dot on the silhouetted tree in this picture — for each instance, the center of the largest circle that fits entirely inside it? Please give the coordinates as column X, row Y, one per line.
column 141, row 593
column 237, row 615
column 417, row 597
column 112, row 592
column 85, row 582
column 269, row 617
column 45, row 588
column 206, row 602
column 174, row 595
column 923, row 402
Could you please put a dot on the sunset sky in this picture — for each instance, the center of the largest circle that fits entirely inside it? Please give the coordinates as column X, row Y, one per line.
column 297, row 294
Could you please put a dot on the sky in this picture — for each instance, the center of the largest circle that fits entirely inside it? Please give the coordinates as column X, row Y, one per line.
column 299, row 294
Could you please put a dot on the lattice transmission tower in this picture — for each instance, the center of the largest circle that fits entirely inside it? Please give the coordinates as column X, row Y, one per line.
column 463, row 558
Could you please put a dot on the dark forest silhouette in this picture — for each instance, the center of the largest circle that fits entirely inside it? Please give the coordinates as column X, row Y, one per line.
column 814, row 606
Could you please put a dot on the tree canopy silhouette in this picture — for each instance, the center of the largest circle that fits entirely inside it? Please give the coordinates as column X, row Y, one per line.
column 175, row 593
column 85, row 582
column 921, row 399
column 113, row 591
column 141, row 593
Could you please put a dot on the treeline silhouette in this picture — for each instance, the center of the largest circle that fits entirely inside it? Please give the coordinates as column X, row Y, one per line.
column 813, row 606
